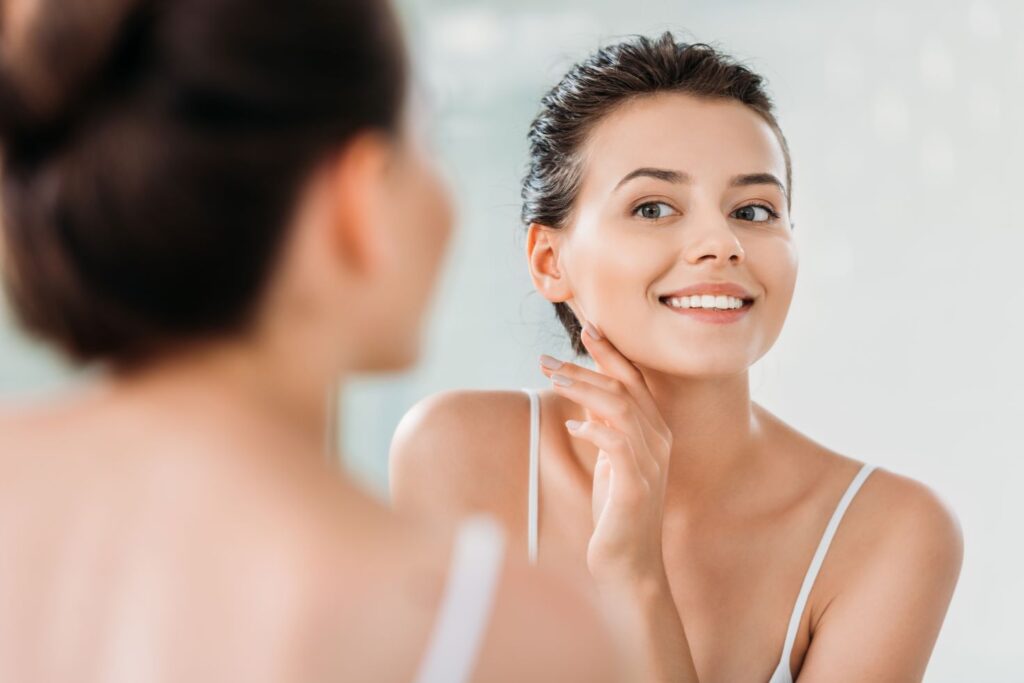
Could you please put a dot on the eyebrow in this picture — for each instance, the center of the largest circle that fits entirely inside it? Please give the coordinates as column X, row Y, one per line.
column 659, row 173
column 669, row 175
column 758, row 179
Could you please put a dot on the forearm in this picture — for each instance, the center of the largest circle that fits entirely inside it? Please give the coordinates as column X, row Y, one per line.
column 646, row 621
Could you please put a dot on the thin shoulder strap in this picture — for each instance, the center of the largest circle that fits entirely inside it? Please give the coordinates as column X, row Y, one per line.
column 533, row 491
column 465, row 609
column 816, row 562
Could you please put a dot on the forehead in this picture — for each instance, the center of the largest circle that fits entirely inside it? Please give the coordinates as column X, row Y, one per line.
column 710, row 139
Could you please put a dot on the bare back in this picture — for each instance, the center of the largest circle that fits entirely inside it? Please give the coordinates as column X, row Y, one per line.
column 135, row 546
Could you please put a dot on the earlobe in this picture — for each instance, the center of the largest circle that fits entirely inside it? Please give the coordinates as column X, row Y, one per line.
column 543, row 246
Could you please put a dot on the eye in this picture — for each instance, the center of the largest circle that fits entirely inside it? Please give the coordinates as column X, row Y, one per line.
column 755, row 213
column 654, row 210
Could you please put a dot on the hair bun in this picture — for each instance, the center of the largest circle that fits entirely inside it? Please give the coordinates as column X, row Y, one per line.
column 50, row 54
column 8, row 107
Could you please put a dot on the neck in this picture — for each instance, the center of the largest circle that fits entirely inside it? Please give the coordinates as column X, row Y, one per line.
column 252, row 387
column 713, row 427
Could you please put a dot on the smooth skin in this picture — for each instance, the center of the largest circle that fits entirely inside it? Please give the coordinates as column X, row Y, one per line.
column 184, row 522
column 743, row 497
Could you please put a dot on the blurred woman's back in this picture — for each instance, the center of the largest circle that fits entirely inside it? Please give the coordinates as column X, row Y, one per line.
column 130, row 553
column 219, row 205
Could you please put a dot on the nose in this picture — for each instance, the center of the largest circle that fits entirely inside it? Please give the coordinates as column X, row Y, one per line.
column 715, row 242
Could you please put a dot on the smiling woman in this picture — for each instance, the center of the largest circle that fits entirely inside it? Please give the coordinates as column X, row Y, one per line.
column 657, row 205
column 598, row 89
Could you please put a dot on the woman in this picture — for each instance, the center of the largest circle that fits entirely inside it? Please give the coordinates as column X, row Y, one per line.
column 222, row 207
column 657, row 207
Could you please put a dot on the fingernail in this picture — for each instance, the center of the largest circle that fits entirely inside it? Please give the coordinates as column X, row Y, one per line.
column 573, row 425
column 549, row 362
column 561, row 380
column 591, row 330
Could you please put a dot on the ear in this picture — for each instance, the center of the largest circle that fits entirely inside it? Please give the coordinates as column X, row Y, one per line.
column 542, row 254
column 357, row 190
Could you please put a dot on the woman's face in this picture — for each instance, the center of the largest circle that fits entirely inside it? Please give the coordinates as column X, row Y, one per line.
column 681, row 208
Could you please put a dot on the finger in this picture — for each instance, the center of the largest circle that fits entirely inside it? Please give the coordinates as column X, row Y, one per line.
column 616, row 446
column 612, row 363
column 618, row 408
column 551, row 366
column 655, row 440
column 620, row 412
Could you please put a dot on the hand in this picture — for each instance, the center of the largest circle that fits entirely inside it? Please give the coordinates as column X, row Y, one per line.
column 634, row 444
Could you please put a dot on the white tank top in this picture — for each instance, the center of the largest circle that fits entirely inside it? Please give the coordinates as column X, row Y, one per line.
column 462, row 619
column 782, row 673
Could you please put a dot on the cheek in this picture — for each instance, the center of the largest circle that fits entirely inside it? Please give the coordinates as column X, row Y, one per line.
column 611, row 276
column 425, row 217
column 442, row 208
column 421, row 215
column 774, row 264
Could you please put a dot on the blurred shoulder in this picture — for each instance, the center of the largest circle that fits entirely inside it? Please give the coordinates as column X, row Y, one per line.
column 20, row 418
column 545, row 628
column 381, row 606
column 469, row 448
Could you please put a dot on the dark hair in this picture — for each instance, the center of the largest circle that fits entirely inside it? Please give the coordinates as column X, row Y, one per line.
column 610, row 77
column 153, row 151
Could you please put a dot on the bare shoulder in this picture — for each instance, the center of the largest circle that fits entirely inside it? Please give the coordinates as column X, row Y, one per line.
column 895, row 522
column 19, row 420
column 460, row 451
column 28, row 423
column 382, row 607
column 897, row 560
column 907, row 515
column 898, row 541
column 888, row 506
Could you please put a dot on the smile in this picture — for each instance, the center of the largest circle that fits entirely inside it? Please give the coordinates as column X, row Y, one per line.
column 719, row 302
column 709, row 308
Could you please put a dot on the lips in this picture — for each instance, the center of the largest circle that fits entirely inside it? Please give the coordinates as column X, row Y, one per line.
column 712, row 288
column 710, row 302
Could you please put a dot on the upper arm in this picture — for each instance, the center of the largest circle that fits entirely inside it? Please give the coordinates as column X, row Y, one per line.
column 455, row 453
column 884, row 622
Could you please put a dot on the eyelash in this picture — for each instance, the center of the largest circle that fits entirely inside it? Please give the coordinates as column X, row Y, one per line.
column 771, row 212
column 638, row 207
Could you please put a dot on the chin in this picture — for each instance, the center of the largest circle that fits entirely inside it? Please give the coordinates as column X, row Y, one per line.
column 714, row 365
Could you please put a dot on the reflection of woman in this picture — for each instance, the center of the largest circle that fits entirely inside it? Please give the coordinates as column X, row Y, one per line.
column 221, row 202
column 658, row 202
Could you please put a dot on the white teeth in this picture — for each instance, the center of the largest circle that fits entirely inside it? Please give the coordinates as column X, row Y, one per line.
column 720, row 302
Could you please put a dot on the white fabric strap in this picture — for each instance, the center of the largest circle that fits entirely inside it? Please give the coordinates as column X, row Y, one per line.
column 812, row 573
column 533, row 492
column 465, row 609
